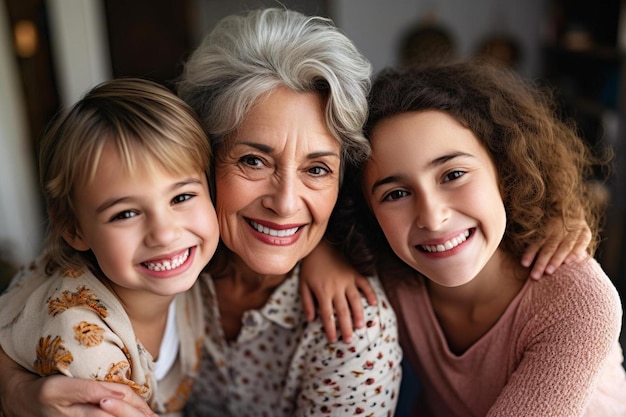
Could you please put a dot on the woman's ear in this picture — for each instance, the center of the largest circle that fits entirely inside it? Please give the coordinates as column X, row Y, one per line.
column 75, row 240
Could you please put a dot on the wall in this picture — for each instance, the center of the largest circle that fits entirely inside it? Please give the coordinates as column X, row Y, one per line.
column 21, row 225
column 376, row 25
column 79, row 45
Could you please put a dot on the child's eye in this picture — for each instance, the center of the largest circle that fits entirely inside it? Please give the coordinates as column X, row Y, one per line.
column 453, row 175
column 182, row 198
column 395, row 195
column 124, row 215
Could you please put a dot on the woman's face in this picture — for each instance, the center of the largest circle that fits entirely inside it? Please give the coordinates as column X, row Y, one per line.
column 277, row 181
column 434, row 191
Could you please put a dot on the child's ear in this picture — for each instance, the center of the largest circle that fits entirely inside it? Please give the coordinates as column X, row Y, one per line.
column 75, row 240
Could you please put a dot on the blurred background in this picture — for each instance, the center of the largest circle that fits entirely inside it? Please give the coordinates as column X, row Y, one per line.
column 52, row 51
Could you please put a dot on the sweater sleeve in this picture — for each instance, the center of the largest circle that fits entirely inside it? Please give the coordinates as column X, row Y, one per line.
column 575, row 322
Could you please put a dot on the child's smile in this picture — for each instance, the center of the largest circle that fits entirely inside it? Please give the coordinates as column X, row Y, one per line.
column 145, row 224
column 434, row 190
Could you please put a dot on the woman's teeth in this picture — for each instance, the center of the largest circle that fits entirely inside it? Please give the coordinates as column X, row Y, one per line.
column 452, row 243
column 168, row 265
column 273, row 232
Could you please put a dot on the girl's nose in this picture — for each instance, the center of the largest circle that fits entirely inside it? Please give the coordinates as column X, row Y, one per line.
column 162, row 230
column 431, row 213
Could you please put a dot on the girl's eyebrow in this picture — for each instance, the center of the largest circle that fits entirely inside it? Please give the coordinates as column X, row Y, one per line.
column 448, row 157
column 117, row 200
column 432, row 164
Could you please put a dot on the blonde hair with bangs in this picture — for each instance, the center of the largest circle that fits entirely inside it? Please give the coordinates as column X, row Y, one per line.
column 148, row 125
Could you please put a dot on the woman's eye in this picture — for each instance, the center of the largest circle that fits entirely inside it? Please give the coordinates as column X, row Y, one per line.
column 318, row 171
column 124, row 215
column 251, row 160
column 394, row 195
column 181, row 198
column 453, row 175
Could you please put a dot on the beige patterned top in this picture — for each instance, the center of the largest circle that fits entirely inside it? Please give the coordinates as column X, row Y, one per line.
column 75, row 326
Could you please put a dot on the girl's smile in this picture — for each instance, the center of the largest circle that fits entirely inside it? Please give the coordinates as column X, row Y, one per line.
column 150, row 230
column 434, row 191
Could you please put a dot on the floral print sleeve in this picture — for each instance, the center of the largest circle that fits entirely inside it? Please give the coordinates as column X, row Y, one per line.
column 361, row 378
column 72, row 326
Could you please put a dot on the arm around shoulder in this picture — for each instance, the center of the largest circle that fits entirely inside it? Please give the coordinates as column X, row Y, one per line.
column 359, row 377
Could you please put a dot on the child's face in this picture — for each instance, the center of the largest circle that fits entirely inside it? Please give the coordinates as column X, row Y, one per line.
column 149, row 230
column 434, row 191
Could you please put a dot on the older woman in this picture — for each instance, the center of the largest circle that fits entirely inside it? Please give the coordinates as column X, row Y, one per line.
column 283, row 97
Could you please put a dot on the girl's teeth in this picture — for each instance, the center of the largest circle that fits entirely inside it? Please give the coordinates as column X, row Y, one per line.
column 168, row 265
column 452, row 243
column 272, row 232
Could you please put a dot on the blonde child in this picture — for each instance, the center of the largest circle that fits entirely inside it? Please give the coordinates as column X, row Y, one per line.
column 469, row 167
column 131, row 226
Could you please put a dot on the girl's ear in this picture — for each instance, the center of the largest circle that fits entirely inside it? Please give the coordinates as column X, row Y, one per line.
column 75, row 240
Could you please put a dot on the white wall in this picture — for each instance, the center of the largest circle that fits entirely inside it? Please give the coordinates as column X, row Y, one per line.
column 79, row 46
column 376, row 25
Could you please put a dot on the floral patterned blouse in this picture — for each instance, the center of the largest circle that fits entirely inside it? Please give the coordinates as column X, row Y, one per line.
column 73, row 325
column 281, row 366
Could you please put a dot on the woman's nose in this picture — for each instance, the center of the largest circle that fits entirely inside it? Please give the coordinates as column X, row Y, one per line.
column 284, row 196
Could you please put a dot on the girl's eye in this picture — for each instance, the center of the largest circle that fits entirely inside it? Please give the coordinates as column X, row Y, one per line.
column 251, row 160
column 181, row 198
column 395, row 195
column 124, row 215
column 319, row 171
column 453, row 175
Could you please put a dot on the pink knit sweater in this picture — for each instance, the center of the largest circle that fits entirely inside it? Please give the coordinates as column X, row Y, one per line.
column 554, row 351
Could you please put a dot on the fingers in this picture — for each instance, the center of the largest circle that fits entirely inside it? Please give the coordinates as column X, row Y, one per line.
column 555, row 252
column 543, row 258
column 561, row 246
column 579, row 251
column 344, row 319
column 549, row 259
column 308, row 304
column 80, row 391
column 77, row 397
column 129, row 401
column 121, row 408
column 328, row 319
column 364, row 285
column 529, row 255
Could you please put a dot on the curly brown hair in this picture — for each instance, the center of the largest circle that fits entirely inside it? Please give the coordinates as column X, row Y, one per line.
column 541, row 161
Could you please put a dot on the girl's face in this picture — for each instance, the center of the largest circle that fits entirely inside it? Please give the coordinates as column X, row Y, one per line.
column 277, row 181
column 434, row 191
column 149, row 230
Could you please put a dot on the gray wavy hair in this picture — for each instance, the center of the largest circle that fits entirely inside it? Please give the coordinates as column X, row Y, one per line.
column 247, row 56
